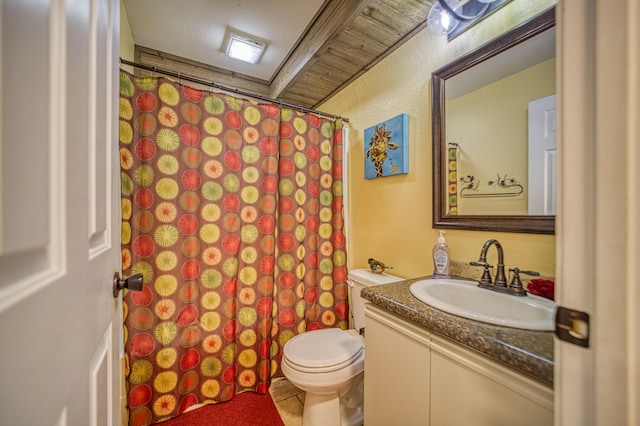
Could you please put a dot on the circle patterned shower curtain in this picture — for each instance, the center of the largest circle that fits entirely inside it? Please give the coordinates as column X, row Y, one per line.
column 232, row 211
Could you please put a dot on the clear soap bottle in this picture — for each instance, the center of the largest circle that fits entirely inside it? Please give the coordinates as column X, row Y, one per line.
column 441, row 258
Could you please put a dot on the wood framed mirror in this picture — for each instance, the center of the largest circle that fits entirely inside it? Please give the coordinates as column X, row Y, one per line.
column 445, row 217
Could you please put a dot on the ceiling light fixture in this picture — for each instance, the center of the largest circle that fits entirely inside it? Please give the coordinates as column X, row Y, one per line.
column 452, row 17
column 440, row 21
column 243, row 47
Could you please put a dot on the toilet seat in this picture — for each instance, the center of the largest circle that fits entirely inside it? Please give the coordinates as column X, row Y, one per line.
column 323, row 351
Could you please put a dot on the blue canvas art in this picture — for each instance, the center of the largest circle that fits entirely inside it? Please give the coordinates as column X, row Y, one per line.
column 386, row 150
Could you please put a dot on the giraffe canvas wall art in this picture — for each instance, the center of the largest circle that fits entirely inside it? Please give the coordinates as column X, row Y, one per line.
column 386, row 150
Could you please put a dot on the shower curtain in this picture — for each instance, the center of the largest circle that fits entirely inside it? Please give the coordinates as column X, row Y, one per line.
column 232, row 211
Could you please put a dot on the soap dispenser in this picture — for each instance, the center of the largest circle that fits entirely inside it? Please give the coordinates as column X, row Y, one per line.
column 441, row 258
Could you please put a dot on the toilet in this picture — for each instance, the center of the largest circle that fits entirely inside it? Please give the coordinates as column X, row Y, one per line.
column 328, row 364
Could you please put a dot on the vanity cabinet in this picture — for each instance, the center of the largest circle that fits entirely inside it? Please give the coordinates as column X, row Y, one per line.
column 396, row 371
column 414, row 377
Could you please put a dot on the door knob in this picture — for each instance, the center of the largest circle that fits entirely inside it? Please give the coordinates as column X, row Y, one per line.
column 134, row 282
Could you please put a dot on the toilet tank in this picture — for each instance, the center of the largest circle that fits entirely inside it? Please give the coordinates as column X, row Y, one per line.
column 359, row 278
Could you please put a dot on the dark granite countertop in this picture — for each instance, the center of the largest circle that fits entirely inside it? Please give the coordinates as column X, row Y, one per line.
column 528, row 352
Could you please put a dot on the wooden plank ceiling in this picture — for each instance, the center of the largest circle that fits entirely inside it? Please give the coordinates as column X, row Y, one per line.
column 346, row 39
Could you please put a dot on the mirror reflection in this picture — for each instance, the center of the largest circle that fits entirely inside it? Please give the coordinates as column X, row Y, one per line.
column 500, row 127
column 494, row 126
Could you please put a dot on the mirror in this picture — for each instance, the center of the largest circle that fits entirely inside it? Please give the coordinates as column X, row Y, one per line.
column 474, row 169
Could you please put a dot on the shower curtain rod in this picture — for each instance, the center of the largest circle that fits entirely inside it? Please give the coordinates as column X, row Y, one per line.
column 193, row 79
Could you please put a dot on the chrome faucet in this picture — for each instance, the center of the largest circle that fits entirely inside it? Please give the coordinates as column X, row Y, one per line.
column 500, row 283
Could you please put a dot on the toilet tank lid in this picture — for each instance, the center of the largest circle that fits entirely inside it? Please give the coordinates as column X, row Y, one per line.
column 368, row 278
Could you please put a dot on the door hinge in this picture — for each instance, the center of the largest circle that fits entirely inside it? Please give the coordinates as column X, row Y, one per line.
column 572, row 326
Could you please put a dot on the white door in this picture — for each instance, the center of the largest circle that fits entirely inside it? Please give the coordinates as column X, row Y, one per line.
column 59, row 221
column 598, row 221
column 542, row 156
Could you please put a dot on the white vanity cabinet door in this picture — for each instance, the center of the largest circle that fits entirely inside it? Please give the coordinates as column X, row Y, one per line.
column 396, row 373
column 468, row 389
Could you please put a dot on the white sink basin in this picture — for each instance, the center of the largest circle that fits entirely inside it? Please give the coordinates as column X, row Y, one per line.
column 466, row 299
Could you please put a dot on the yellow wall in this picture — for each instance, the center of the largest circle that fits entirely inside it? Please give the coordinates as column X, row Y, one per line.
column 482, row 151
column 126, row 38
column 390, row 218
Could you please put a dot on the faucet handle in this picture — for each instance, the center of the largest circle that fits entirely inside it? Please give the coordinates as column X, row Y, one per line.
column 485, row 281
column 532, row 273
column 515, row 287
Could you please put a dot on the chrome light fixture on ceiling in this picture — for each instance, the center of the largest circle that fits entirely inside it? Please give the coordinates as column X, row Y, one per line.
column 452, row 17
column 242, row 46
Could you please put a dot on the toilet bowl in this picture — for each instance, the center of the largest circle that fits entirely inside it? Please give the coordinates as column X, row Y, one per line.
column 328, row 364
column 324, row 364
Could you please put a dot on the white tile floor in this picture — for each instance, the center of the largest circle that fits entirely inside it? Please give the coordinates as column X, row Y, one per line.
column 289, row 401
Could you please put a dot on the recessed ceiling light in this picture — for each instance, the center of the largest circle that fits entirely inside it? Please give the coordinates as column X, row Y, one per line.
column 244, row 47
